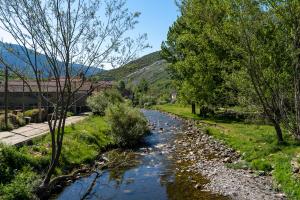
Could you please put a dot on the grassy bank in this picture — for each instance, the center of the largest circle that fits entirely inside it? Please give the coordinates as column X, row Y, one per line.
column 257, row 145
column 22, row 168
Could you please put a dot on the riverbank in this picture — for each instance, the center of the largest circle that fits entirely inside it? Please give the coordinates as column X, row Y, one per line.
column 260, row 156
column 156, row 171
column 21, row 168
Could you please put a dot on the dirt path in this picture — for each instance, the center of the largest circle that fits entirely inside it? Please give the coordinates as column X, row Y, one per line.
column 208, row 157
column 31, row 131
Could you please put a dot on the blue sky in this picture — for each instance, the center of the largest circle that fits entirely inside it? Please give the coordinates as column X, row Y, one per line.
column 156, row 18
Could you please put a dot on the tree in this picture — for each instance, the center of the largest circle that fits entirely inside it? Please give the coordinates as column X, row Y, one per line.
column 6, row 97
column 67, row 32
column 257, row 40
column 196, row 52
column 286, row 14
column 214, row 40
column 143, row 86
column 122, row 86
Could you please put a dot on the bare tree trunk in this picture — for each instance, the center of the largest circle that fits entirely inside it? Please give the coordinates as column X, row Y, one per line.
column 278, row 132
column 56, row 152
column 23, row 97
column 297, row 87
column 40, row 107
column 193, row 108
column 6, row 98
column 297, row 96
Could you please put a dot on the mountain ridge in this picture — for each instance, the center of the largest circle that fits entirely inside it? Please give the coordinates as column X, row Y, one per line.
column 18, row 59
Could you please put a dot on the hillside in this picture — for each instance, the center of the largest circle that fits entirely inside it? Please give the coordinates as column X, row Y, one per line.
column 131, row 67
column 151, row 68
column 18, row 60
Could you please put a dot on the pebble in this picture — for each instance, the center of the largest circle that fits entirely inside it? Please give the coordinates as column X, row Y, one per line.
column 208, row 157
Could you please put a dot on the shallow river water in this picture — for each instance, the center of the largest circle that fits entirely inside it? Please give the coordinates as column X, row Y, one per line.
column 158, row 175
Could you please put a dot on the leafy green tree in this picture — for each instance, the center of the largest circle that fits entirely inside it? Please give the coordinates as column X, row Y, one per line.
column 214, row 40
column 287, row 15
column 257, row 41
column 196, row 52
column 122, row 86
column 98, row 102
column 143, row 86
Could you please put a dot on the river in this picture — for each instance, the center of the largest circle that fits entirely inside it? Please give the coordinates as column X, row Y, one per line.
column 158, row 175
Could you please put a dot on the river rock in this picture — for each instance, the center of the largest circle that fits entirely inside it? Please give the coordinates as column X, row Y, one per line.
column 295, row 164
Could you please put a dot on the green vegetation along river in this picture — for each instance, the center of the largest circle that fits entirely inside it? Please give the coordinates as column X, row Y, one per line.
column 157, row 174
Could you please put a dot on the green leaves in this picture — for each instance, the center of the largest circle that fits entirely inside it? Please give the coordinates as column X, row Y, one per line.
column 197, row 51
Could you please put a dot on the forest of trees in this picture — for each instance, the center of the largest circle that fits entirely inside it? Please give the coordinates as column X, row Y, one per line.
column 238, row 53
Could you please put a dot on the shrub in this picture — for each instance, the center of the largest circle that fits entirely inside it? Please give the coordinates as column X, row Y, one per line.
column 100, row 101
column 262, row 164
column 17, row 120
column 128, row 125
column 70, row 114
column 9, row 127
column 21, row 187
column 97, row 103
column 206, row 111
column 34, row 115
column 146, row 101
column 14, row 121
column 12, row 160
column 162, row 102
column 113, row 96
column 164, row 99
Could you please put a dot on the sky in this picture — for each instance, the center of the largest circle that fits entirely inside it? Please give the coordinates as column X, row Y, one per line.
column 156, row 18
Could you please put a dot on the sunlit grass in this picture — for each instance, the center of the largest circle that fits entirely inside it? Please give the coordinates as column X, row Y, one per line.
column 82, row 143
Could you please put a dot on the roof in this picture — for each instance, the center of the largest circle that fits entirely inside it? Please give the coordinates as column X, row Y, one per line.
column 50, row 85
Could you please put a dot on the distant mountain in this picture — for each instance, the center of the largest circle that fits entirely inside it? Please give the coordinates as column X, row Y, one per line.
column 18, row 58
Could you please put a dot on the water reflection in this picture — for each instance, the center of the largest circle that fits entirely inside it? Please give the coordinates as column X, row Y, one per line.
column 157, row 174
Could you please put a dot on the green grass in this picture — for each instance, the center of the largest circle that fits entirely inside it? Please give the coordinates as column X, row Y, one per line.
column 179, row 110
column 82, row 143
column 257, row 145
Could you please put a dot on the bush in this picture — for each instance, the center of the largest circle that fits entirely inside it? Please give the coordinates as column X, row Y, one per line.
column 9, row 127
column 262, row 165
column 206, row 111
column 70, row 114
column 100, row 101
column 128, row 125
column 34, row 115
column 12, row 160
column 146, row 101
column 17, row 120
column 14, row 121
column 164, row 99
column 21, row 187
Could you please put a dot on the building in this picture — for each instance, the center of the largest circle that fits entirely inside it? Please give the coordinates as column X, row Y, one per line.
column 24, row 95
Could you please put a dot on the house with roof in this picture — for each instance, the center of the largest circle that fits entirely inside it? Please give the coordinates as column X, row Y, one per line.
column 24, row 95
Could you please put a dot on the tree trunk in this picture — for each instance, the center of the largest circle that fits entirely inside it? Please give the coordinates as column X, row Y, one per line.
column 193, row 108
column 278, row 132
column 297, row 85
column 6, row 99
column 40, row 107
